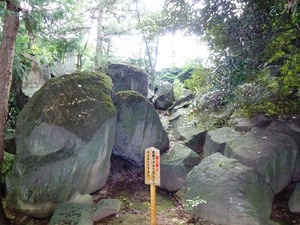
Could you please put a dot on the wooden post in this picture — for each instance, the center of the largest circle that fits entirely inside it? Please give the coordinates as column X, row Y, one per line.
column 153, row 204
column 152, row 177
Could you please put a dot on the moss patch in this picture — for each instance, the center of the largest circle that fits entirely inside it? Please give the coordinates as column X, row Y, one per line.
column 79, row 102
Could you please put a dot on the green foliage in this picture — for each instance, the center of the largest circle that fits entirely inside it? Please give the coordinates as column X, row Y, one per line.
column 175, row 73
column 200, row 80
column 245, row 37
column 191, row 204
column 178, row 89
column 12, row 113
column 8, row 161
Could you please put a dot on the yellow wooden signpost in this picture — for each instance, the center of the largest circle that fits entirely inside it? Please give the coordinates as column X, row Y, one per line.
column 152, row 177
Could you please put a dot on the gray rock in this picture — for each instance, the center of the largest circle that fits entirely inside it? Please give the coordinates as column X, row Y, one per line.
column 175, row 165
column 57, row 68
column 271, row 154
column 246, row 124
column 183, row 129
column 138, row 127
column 291, row 128
column 35, row 78
column 216, row 139
column 127, row 77
column 181, row 103
column 164, row 97
column 234, row 193
column 77, row 211
column 64, row 140
column 106, row 207
column 294, row 201
column 10, row 143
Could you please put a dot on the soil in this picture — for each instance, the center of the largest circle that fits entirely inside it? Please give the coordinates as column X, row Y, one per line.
column 126, row 183
column 280, row 210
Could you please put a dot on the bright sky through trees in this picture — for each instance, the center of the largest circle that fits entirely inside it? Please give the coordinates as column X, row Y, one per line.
column 173, row 50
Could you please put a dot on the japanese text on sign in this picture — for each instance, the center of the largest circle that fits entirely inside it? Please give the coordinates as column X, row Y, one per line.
column 152, row 166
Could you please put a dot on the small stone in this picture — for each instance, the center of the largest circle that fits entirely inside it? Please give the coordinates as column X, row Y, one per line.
column 106, row 207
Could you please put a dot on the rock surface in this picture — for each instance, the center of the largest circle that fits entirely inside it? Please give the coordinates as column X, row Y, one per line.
column 216, row 139
column 106, row 207
column 234, row 193
column 138, row 127
column 294, row 201
column 181, row 103
column 183, row 129
column 271, row 154
column 64, row 139
column 36, row 77
column 127, row 77
column 164, row 97
column 246, row 124
column 77, row 211
column 175, row 165
column 292, row 129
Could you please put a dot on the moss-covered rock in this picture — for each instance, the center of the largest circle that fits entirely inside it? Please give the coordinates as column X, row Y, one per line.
column 64, row 139
column 270, row 154
column 128, row 77
column 223, row 191
column 138, row 127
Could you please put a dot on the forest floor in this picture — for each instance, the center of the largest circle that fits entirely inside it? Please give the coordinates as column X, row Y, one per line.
column 126, row 183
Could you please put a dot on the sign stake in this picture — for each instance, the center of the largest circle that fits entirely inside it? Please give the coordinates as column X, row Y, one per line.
column 153, row 204
column 152, row 177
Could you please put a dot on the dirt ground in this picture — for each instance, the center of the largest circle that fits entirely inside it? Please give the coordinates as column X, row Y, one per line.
column 126, row 183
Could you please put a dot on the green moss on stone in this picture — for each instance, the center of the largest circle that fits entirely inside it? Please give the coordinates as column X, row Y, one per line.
column 79, row 102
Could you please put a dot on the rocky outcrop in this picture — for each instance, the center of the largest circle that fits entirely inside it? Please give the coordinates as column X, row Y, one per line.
column 64, row 139
column 127, row 77
column 246, row 124
column 37, row 76
column 181, row 103
column 234, row 193
column 271, row 154
column 175, row 165
column 294, row 201
column 164, row 97
column 138, row 127
column 292, row 129
column 185, row 130
column 216, row 140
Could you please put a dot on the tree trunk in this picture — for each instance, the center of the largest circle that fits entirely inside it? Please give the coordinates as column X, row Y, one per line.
column 152, row 62
column 99, row 46
column 10, row 29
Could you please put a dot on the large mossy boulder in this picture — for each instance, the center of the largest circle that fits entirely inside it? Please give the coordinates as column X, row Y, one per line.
column 128, row 77
column 232, row 193
column 64, row 140
column 138, row 127
column 270, row 154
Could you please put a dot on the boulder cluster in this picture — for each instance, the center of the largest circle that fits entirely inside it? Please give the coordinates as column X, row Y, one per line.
column 69, row 129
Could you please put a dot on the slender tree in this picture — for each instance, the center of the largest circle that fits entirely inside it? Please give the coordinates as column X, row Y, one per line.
column 151, row 33
column 10, row 29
